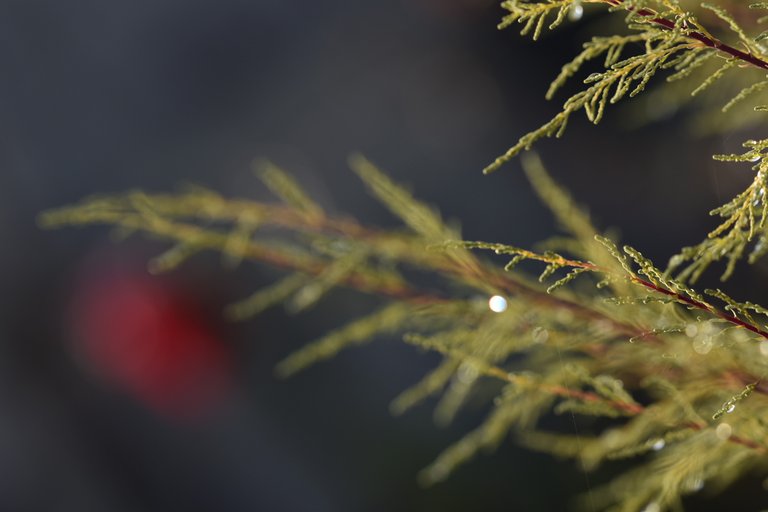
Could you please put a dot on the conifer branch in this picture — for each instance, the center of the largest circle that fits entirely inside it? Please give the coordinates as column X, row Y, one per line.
column 680, row 293
column 563, row 343
column 339, row 252
column 704, row 38
column 673, row 39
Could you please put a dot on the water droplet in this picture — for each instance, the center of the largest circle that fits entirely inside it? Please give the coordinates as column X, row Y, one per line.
column 497, row 303
column 576, row 12
column 723, row 431
column 658, row 445
column 730, row 409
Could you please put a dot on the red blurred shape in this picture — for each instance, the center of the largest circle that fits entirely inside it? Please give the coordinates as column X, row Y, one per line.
column 139, row 334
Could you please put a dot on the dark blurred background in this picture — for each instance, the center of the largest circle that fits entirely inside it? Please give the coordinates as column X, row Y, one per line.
column 103, row 408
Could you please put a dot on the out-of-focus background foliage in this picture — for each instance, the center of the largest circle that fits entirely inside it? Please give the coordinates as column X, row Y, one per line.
column 121, row 391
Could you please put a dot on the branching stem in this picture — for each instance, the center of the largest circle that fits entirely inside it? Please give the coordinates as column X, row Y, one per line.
column 565, row 262
column 704, row 307
column 705, row 39
column 632, row 409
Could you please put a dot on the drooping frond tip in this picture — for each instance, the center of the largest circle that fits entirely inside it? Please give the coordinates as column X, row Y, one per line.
column 744, row 222
column 671, row 39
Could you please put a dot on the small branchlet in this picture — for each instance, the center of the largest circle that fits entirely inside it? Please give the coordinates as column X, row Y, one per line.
column 533, row 16
column 730, row 405
column 671, row 38
column 392, row 317
column 573, row 339
column 532, row 350
column 745, row 222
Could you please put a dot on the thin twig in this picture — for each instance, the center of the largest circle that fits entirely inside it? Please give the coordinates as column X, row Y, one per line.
column 706, row 40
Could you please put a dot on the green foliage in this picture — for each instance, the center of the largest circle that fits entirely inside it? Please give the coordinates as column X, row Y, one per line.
column 556, row 348
column 745, row 221
column 392, row 317
column 665, row 36
column 596, row 331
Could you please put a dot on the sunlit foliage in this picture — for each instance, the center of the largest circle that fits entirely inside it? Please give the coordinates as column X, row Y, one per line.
column 585, row 329
column 600, row 327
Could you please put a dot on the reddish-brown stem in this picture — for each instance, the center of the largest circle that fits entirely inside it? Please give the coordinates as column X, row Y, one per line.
column 748, row 443
column 566, row 392
column 631, row 408
column 677, row 296
column 289, row 218
column 705, row 307
column 401, row 291
column 706, row 40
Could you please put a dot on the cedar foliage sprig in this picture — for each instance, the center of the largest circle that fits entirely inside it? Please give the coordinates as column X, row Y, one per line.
column 587, row 328
column 560, row 347
column 745, row 222
column 665, row 37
